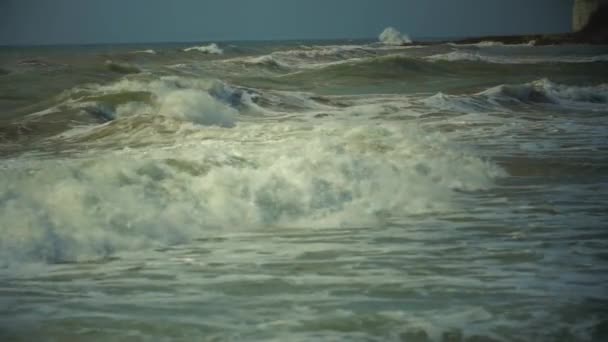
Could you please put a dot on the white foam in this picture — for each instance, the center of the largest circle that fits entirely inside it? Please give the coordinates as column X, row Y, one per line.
column 252, row 176
column 210, row 49
column 391, row 36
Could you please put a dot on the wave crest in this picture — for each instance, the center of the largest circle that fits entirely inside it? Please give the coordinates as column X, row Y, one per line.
column 545, row 91
column 213, row 49
column 540, row 92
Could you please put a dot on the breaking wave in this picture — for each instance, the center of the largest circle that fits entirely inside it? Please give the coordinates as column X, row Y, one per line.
column 391, row 36
column 256, row 175
column 213, row 49
column 200, row 101
column 540, row 92
column 545, row 91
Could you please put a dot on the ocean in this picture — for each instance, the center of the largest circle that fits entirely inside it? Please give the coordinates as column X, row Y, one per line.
column 304, row 191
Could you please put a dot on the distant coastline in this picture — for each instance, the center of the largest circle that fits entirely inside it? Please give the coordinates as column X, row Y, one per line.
column 542, row 39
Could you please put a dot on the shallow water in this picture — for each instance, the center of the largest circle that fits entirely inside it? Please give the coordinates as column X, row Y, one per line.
column 304, row 191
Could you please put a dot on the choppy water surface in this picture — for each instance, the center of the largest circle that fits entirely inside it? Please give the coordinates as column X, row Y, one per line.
column 304, row 191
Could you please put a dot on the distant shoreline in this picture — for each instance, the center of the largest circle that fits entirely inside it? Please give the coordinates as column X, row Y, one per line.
column 541, row 39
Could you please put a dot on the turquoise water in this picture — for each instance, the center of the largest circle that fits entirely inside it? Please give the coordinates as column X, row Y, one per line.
column 304, row 191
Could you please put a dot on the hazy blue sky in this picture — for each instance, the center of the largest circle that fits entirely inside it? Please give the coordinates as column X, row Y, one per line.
column 94, row 21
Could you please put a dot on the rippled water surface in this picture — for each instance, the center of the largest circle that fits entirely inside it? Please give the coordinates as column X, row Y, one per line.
column 298, row 191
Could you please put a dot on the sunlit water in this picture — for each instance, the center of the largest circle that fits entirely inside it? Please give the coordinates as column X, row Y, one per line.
column 304, row 191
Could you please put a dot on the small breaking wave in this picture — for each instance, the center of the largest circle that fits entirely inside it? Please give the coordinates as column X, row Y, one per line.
column 212, row 49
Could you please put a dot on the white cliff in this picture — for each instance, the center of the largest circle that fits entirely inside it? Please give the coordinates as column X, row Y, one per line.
column 584, row 11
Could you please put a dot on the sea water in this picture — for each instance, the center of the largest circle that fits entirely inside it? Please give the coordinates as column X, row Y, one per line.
column 302, row 191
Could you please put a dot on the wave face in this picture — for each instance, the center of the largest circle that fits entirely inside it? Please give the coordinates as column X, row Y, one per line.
column 303, row 191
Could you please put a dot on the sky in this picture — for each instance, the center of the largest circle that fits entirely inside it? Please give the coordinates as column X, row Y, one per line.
column 32, row 22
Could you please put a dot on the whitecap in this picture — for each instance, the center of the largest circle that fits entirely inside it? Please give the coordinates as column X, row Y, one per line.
column 213, row 49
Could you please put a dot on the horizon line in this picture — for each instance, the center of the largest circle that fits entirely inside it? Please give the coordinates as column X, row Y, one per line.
column 211, row 41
